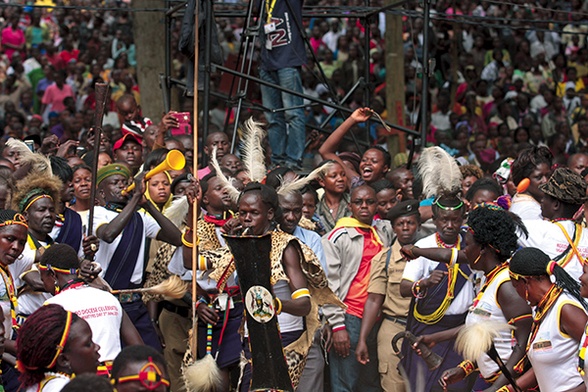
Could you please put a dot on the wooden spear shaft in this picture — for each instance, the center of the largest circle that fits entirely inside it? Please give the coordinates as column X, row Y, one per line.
column 195, row 203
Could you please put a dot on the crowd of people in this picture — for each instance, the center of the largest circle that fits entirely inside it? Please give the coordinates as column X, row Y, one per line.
column 484, row 228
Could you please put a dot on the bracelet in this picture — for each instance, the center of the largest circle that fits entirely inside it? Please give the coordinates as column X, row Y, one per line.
column 202, row 265
column 186, row 243
column 467, row 366
column 278, row 305
column 417, row 291
column 339, row 328
column 504, row 388
column 304, row 292
column 202, row 301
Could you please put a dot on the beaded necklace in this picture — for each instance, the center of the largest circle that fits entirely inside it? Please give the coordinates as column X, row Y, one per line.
column 491, row 275
column 443, row 244
column 542, row 308
column 11, row 291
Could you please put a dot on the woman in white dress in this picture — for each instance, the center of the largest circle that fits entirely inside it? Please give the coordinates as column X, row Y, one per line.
column 559, row 322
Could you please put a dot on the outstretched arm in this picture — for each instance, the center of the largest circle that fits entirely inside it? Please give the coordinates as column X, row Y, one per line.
column 329, row 148
column 169, row 232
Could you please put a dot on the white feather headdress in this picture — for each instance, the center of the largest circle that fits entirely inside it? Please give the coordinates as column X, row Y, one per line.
column 253, row 154
column 227, row 183
column 439, row 171
column 39, row 163
column 298, row 183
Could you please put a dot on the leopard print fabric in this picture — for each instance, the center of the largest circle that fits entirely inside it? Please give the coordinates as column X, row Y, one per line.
column 159, row 271
column 207, row 236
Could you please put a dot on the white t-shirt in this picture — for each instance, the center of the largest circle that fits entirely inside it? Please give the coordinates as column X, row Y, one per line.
column 102, row 216
column 421, row 268
column 30, row 301
column 54, row 385
column 526, row 207
column 102, row 312
column 548, row 237
column 176, row 265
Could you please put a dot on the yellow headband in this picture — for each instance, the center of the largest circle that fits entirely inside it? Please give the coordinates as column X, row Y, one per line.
column 17, row 220
column 515, row 276
column 35, row 199
column 49, row 267
column 63, row 341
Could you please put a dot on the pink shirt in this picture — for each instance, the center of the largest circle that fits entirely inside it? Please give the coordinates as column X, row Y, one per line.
column 54, row 96
column 203, row 172
column 13, row 37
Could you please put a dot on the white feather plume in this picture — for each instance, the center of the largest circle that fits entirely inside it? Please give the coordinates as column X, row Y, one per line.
column 226, row 182
column 299, row 183
column 39, row 163
column 253, row 155
column 439, row 171
column 177, row 211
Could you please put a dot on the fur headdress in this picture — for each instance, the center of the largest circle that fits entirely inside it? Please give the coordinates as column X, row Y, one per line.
column 33, row 186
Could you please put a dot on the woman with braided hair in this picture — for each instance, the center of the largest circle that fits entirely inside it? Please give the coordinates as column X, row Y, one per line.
column 534, row 164
column 559, row 321
column 53, row 345
column 491, row 239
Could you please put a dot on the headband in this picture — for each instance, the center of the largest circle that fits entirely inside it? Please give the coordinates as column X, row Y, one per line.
column 457, row 207
column 31, row 197
column 63, row 341
column 150, row 376
column 49, row 267
column 18, row 219
column 550, row 267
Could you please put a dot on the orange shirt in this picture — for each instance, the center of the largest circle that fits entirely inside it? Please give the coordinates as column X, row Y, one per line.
column 357, row 294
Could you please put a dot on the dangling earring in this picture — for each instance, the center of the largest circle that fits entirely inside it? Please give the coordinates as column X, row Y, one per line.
column 478, row 258
column 57, row 288
column 527, row 295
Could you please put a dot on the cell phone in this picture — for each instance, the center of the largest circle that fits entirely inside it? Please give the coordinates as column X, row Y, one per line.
column 184, row 127
column 30, row 144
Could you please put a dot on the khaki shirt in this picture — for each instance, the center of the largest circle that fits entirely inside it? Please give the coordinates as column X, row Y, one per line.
column 388, row 282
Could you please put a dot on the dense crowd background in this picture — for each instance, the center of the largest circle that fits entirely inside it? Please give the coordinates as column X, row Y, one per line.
column 508, row 77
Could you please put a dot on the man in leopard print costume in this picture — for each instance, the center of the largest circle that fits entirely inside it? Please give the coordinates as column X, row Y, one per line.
column 294, row 267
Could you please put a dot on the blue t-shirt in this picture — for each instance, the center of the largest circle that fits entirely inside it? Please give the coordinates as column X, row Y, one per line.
column 287, row 46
